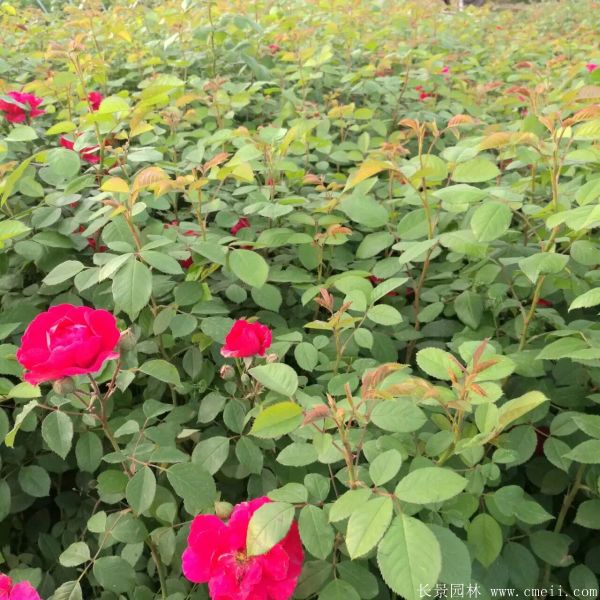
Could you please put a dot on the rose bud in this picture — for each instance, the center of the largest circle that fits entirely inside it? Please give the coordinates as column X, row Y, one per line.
column 226, row 372
column 64, row 386
column 223, row 509
column 127, row 340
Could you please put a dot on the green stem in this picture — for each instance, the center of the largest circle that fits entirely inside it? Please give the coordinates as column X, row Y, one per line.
column 560, row 521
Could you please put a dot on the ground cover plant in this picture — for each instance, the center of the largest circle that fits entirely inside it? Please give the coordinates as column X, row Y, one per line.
column 299, row 300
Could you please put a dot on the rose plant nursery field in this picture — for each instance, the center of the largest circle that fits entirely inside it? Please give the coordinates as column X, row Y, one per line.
column 299, row 299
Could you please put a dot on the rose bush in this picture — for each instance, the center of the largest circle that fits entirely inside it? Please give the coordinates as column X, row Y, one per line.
column 299, row 303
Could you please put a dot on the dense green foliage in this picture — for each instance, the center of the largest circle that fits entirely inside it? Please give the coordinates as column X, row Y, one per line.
column 423, row 196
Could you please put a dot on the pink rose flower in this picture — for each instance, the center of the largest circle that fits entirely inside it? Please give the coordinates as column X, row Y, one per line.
column 246, row 339
column 216, row 554
column 88, row 154
column 591, row 67
column 445, row 70
column 27, row 106
column 16, row 591
column 67, row 340
column 241, row 224
column 95, row 99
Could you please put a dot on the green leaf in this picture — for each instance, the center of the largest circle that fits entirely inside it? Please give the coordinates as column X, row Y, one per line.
column 76, row 554
column 347, row 503
column 57, row 431
column 63, row 164
column 162, row 370
column 514, row 409
column 298, row 454
column 316, row 533
column 374, row 243
column 277, row 420
column 88, row 452
column 365, row 211
column 306, row 356
column 456, row 560
column 586, row 300
column 141, row 489
column 437, row 363
column 476, row 170
column 387, row 286
column 11, row 229
column 268, row 526
column 114, row 573
column 25, row 390
column 384, row 314
column 132, row 287
column 338, row 590
column 385, row 466
column 162, row 262
column 9, row 440
column 211, row 453
column 543, row 263
column 399, row 416
column 588, row 514
column 278, row 377
column 249, row 266
column 429, row 485
column 194, row 485
column 552, row 547
column 34, row 481
column 70, row 590
column 367, row 526
column 469, row 308
column 485, row 536
column 490, row 221
column 587, row 452
column 409, row 557
column 62, row 272
column 10, row 182
column 359, row 577
column 21, row 133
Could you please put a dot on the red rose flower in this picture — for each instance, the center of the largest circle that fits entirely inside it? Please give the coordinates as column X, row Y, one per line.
column 591, row 67
column 246, row 339
column 186, row 263
column 67, row 340
column 95, row 99
column 216, row 554
column 27, row 106
column 88, row 154
column 241, row 224
column 545, row 303
column 16, row 591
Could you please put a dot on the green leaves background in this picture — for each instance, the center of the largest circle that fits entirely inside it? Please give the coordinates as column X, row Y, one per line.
column 436, row 223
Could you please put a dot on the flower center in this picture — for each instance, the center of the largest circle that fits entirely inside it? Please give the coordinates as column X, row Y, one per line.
column 65, row 333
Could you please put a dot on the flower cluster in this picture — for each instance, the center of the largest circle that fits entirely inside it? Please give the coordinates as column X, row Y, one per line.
column 216, row 554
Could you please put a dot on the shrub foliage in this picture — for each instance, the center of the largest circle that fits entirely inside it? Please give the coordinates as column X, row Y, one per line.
column 406, row 199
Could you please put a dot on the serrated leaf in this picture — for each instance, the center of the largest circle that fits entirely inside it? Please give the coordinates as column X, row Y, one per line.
column 268, row 526
column 367, row 526
column 409, row 557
